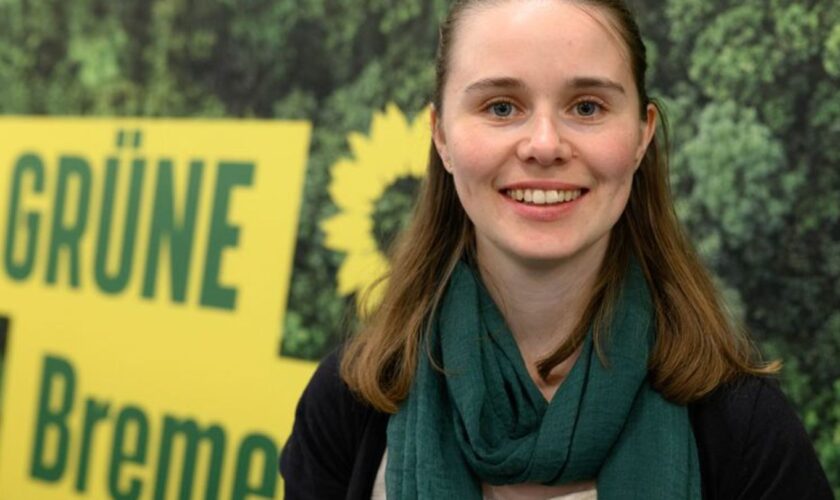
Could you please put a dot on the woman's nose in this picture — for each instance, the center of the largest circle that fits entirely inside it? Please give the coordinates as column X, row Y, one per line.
column 544, row 142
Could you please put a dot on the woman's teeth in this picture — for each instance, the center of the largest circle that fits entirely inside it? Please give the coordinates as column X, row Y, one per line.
column 541, row 197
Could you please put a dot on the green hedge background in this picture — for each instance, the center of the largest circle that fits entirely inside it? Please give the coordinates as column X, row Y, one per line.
column 751, row 87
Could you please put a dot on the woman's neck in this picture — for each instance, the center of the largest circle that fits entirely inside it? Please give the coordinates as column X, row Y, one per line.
column 542, row 302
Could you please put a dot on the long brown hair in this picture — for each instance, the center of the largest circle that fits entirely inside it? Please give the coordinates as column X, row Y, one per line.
column 697, row 347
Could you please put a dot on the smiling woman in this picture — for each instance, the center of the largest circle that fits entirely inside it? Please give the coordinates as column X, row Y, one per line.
column 546, row 330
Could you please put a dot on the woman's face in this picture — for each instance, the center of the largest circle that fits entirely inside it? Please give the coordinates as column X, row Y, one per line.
column 540, row 129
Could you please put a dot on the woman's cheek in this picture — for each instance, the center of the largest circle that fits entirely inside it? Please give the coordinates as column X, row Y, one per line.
column 473, row 157
column 614, row 161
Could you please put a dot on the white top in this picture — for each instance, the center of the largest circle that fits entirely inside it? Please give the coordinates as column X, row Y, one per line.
column 489, row 493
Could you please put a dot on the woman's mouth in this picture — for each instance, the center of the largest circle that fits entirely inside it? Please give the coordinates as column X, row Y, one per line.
column 543, row 197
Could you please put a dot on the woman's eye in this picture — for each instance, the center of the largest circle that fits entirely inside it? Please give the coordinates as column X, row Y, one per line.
column 587, row 108
column 501, row 109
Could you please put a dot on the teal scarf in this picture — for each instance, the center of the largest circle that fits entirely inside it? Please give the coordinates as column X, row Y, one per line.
column 486, row 421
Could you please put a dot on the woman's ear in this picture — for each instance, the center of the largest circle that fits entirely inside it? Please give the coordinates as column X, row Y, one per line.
column 648, row 130
column 439, row 139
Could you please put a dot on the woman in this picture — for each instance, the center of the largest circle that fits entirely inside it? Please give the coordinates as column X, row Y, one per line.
column 547, row 331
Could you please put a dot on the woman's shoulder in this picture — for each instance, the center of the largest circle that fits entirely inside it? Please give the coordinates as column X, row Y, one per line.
column 329, row 406
column 751, row 441
column 333, row 433
column 326, row 385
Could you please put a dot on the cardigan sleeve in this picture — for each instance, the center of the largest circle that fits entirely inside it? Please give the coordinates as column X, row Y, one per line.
column 316, row 461
column 753, row 446
column 779, row 460
column 337, row 441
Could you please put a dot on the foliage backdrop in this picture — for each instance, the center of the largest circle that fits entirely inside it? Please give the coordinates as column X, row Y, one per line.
column 751, row 87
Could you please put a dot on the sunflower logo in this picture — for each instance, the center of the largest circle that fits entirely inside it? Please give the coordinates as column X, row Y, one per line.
column 394, row 151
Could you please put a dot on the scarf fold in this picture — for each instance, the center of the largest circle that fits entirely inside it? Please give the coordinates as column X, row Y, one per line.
column 485, row 421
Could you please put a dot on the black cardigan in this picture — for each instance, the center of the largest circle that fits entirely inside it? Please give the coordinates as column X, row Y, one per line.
column 751, row 444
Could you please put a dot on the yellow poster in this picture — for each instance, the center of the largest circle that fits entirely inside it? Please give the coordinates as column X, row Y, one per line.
column 144, row 269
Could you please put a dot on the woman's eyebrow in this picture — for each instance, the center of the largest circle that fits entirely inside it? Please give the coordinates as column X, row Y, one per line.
column 588, row 82
column 495, row 83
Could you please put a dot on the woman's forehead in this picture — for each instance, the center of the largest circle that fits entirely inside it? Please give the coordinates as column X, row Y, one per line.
column 542, row 38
